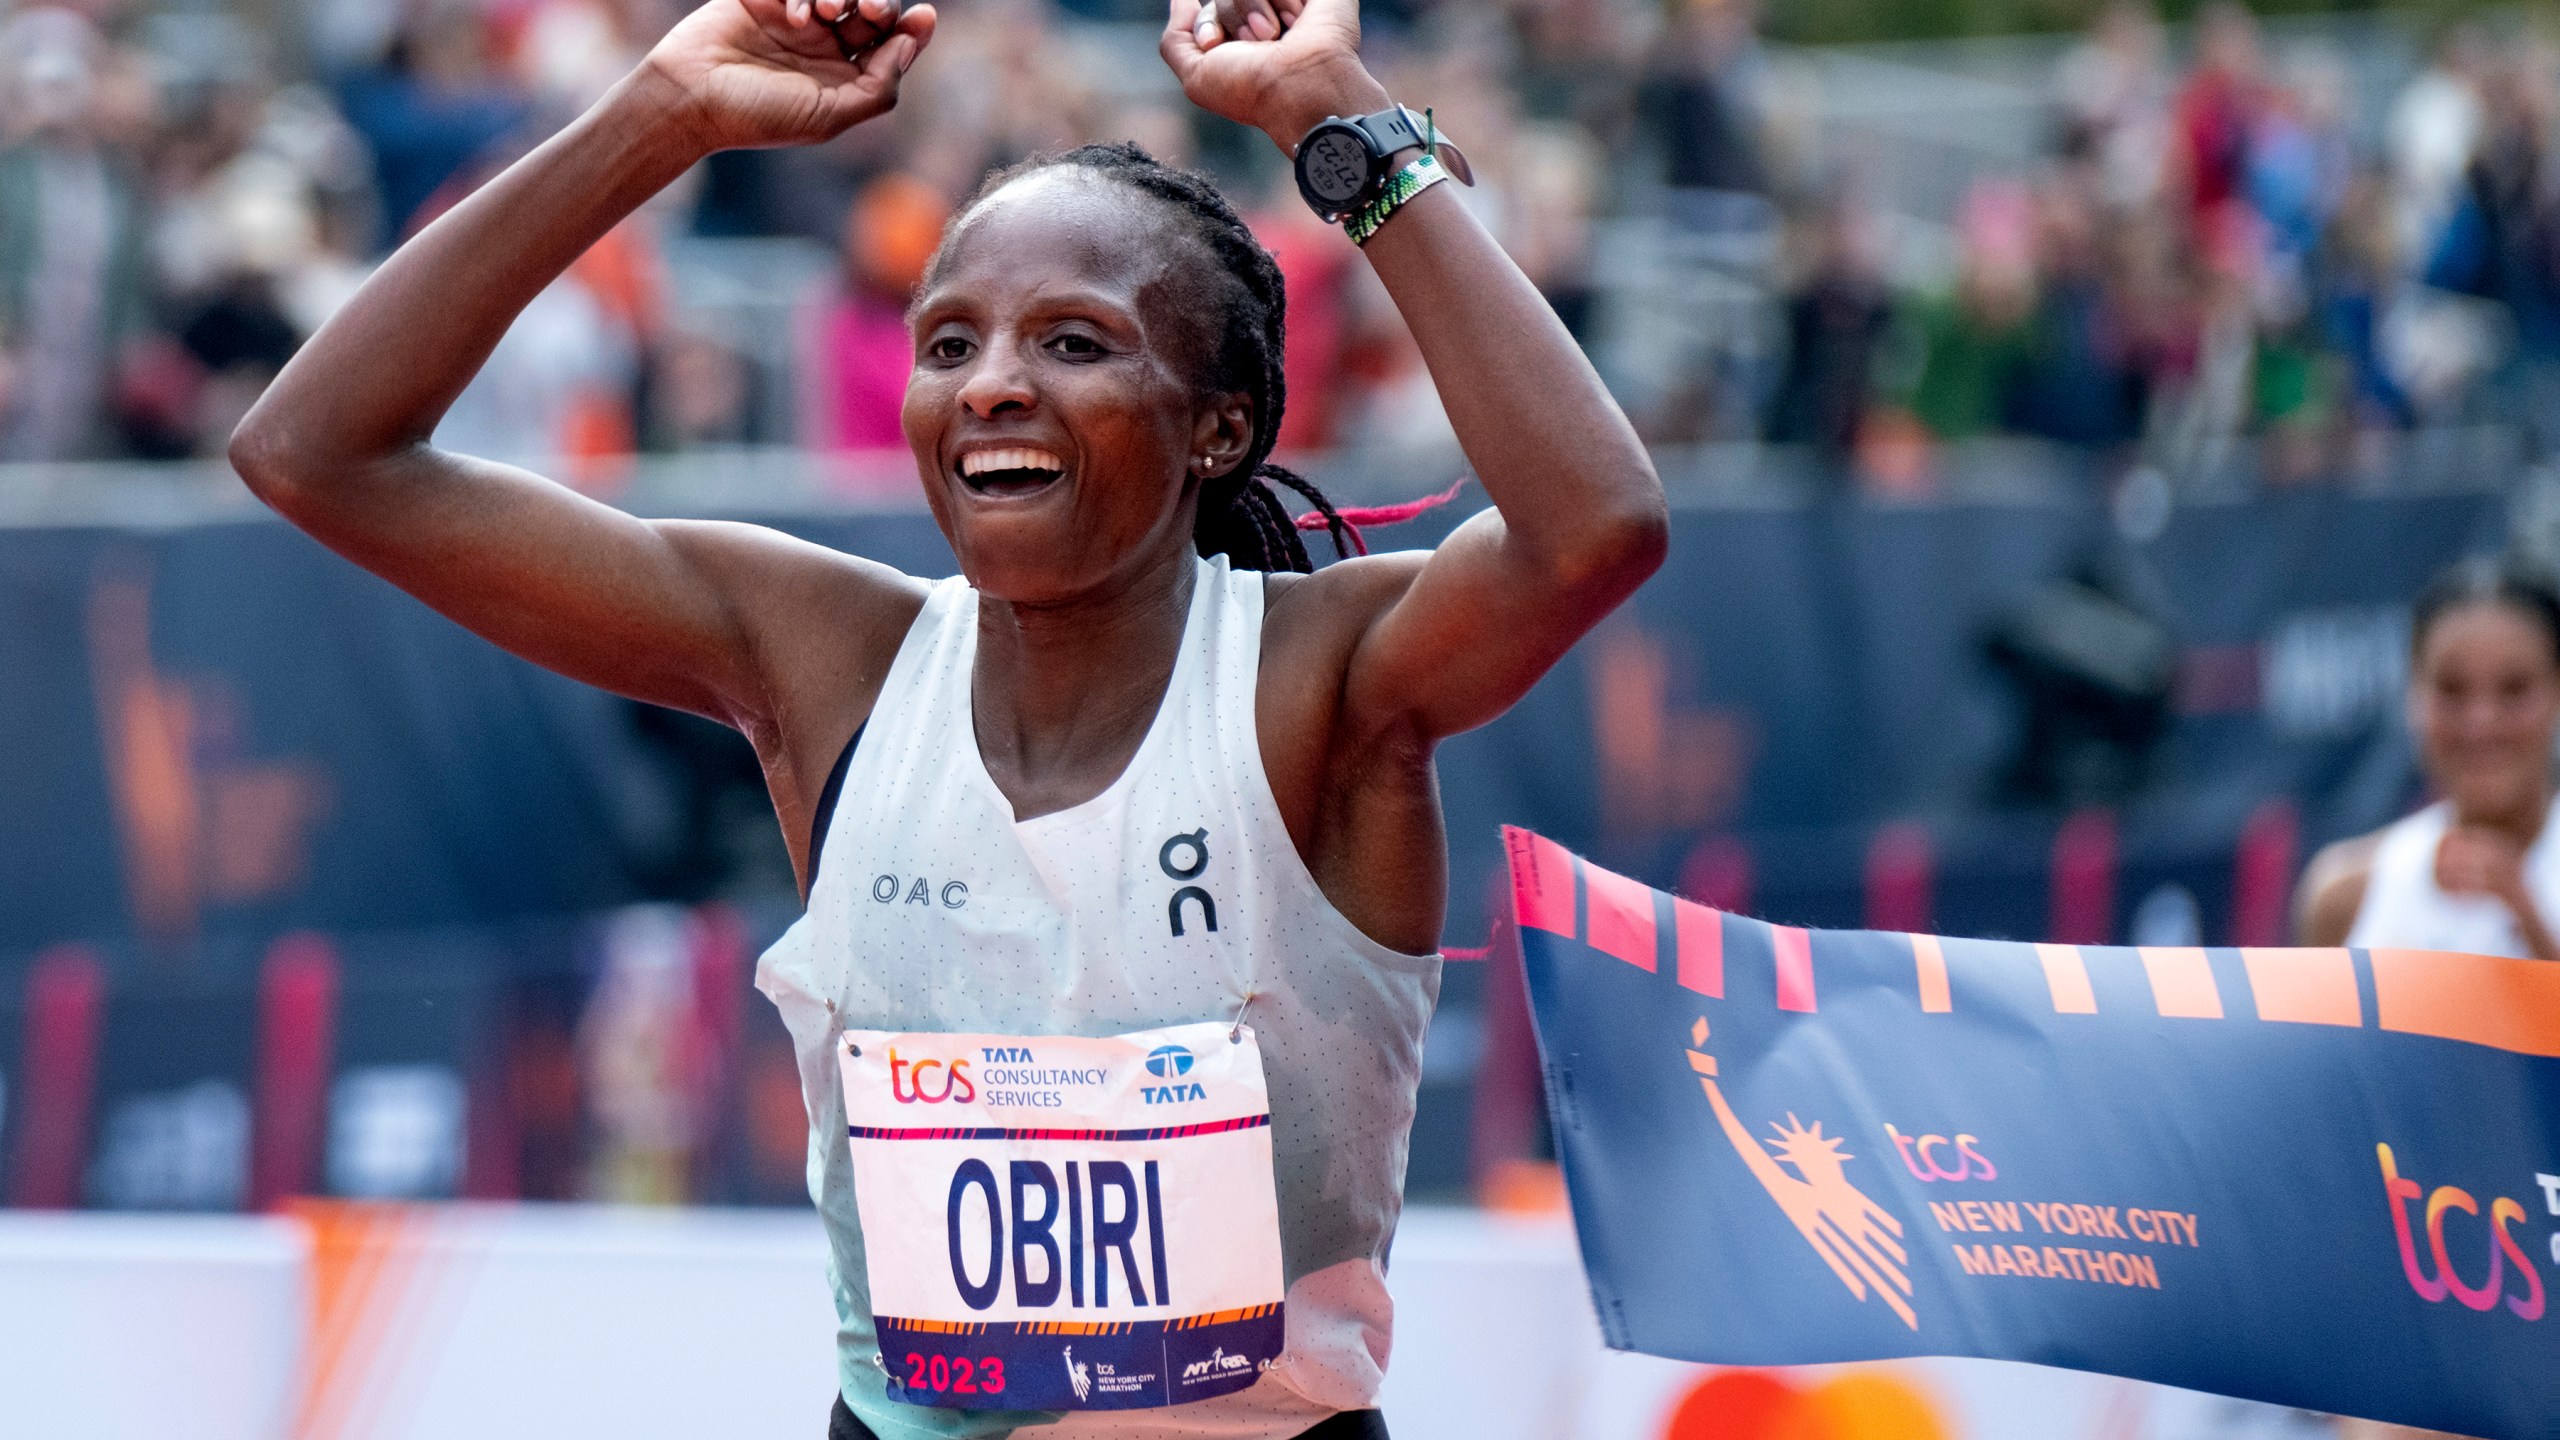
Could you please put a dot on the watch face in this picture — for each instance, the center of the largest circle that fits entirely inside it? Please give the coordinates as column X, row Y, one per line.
column 1333, row 167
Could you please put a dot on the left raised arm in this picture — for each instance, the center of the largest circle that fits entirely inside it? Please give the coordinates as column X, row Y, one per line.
column 1459, row 634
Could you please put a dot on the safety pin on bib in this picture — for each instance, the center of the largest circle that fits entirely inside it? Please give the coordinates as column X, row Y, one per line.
column 1235, row 1032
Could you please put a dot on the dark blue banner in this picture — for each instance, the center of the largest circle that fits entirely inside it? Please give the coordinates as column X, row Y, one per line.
column 2321, row 1178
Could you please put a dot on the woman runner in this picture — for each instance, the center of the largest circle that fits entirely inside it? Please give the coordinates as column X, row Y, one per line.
column 1127, row 788
column 2478, row 871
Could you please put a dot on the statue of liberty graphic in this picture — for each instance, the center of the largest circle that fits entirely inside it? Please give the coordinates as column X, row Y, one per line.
column 1854, row 1235
column 1078, row 1375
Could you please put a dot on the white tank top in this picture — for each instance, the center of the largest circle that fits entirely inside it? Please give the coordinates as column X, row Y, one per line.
column 934, row 909
column 2404, row 907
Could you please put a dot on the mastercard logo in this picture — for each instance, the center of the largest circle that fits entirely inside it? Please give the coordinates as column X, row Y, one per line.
column 1767, row 1405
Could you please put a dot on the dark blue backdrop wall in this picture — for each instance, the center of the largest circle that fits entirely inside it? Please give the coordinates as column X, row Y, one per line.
column 217, row 734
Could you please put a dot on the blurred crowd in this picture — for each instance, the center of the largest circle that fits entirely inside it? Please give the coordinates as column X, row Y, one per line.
column 2212, row 250
column 2216, row 245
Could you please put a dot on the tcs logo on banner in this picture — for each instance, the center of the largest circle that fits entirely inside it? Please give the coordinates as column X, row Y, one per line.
column 2499, row 1241
column 930, row 1082
column 1925, row 1157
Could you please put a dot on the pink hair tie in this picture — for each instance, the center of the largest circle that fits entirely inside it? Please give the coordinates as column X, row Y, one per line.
column 1355, row 516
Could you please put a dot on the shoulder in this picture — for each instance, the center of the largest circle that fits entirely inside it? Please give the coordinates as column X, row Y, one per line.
column 1329, row 611
column 820, row 628
column 765, row 574
column 2333, row 888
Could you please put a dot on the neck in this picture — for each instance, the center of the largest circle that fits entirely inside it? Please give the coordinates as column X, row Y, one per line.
column 1064, row 691
column 2520, row 820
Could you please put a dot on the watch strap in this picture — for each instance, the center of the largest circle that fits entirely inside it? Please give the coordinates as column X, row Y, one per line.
column 1400, row 126
column 1418, row 175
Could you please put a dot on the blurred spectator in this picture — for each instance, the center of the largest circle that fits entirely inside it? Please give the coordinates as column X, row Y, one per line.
column 863, row 351
column 572, row 51
column 2360, row 286
column 561, row 390
column 2503, row 239
column 2084, row 383
column 1835, row 320
column 431, row 106
column 2113, row 89
column 1974, row 345
column 1698, row 100
column 2429, row 135
column 73, row 272
column 2216, row 116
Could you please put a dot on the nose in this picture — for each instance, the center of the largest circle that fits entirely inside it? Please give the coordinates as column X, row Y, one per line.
column 998, row 382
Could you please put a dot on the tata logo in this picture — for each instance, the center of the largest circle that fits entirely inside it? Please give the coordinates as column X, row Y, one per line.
column 1924, row 1157
column 1172, row 1094
column 1167, row 1062
column 1005, row 1054
column 2497, row 1240
column 929, row 1082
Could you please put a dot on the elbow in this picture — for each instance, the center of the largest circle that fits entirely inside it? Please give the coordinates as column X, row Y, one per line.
column 265, row 456
column 1620, row 544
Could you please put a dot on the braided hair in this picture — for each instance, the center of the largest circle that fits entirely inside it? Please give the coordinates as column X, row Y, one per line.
column 1241, row 516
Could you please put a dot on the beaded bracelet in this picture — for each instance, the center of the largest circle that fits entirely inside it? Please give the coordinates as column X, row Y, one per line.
column 1419, row 175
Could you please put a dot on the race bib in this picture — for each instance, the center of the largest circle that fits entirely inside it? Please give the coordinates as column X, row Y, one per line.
column 1066, row 1224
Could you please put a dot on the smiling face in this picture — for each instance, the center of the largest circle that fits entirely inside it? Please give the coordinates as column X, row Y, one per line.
column 1055, row 409
column 2483, row 702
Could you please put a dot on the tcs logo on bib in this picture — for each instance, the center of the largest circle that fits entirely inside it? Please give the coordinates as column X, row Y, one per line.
column 930, row 1082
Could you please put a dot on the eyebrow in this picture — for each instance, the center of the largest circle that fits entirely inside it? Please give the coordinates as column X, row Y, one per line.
column 936, row 305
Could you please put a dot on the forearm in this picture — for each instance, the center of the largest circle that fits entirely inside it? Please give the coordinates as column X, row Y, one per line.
column 380, row 374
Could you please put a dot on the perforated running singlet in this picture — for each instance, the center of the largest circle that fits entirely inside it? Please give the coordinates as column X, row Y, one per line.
column 934, row 909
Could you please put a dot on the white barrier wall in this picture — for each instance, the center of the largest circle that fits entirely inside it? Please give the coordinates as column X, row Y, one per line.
column 545, row 1322
column 122, row 1325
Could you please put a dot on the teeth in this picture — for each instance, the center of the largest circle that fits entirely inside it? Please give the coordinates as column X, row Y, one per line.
column 979, row 462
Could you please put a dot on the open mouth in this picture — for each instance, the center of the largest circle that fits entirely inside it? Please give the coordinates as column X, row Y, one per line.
column 1011, row 470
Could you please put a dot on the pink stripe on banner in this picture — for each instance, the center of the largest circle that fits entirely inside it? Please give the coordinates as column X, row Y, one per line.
column 1621, row 916
column 1541, row 882
column 1698, row 932
column 1795, row 967
column 2068, row 978
column 1929, row 959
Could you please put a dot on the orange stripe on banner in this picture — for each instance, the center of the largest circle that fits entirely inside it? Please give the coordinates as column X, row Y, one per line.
column 1541, row 882
column 345, row 1256
column 1222, row 1317
column 1621, row 916
column 2479, row 999
column 1794, row 950
column 360, row 1265
column 1930, row 959
column 2307, row 987
column 2067, row 976
column 1697, row 933
column 2181, row 982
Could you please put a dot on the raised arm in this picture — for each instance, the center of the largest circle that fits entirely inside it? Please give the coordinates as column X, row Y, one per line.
column 1578, row 522
column 680, row 613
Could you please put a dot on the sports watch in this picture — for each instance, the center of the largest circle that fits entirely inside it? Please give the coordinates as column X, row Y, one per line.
column 1342, row 163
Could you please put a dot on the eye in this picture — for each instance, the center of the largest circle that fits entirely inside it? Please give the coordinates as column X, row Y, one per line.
column 948, row 349
column 1076, row 345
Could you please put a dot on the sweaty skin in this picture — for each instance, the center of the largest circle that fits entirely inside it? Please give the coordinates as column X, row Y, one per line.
column 2484, row 701
column 1049, row 326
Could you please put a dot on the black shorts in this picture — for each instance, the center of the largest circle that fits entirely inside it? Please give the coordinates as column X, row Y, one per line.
column 1349, row 1425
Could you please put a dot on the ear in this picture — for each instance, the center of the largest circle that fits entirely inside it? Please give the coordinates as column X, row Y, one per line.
column 1221, row 435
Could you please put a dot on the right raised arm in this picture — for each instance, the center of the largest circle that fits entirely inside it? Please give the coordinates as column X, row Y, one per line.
column 688, row 614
